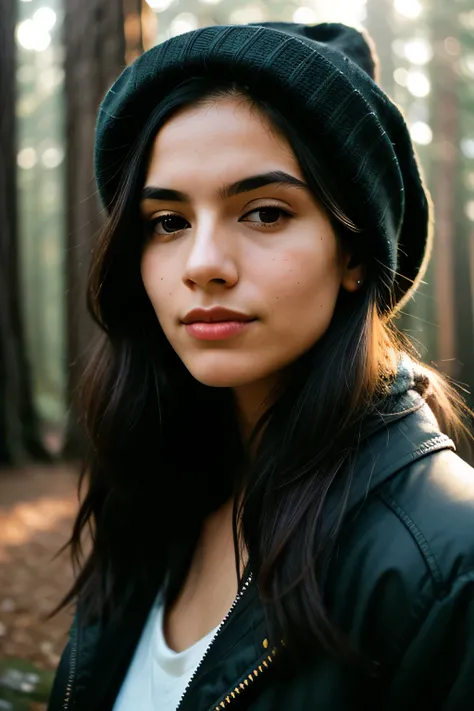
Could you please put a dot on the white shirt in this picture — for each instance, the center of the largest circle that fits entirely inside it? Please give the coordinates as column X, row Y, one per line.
column 157, row 676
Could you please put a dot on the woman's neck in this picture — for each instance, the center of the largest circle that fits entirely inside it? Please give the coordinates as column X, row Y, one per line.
column 252, row 401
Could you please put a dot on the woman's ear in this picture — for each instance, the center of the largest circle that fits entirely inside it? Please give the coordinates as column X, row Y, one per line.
column 353, row 273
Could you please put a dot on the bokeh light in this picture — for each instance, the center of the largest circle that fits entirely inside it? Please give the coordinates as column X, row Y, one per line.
column 32, row 36
column 467, row 147
column 469, row 210
column 184, row 22
column 418, row 84
column 470, row 180
column 467, row 64
column 418, row 51
column 27, row 158
column 305, row 15
column 160, row 5
column 421, row 133
column 467, row 19
column 45, row 17
column 350, row 12
column 408, row 8
column 401, row 76
column 249, row 13
column 52, row 157
column 452, row 46
column 50, row 78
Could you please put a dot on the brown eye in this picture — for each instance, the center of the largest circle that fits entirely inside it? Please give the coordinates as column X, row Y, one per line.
column 168, row 224
column 266, row 216
column 269, row 214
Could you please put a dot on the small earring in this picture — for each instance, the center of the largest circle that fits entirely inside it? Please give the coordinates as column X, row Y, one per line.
column 359, row 282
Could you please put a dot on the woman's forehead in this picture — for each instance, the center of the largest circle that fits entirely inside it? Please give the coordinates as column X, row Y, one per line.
column 227, row 136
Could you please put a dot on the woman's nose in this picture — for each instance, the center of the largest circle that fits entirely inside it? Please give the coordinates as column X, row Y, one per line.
column 211, row 260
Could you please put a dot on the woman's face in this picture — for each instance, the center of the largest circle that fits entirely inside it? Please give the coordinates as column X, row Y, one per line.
column 231, row 227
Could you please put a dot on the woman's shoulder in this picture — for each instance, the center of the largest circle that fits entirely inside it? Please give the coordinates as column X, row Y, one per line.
column 431, row 503
column 405, row 557
column 417, row 526
column 419, row 497
column 412, row 500
column 407, row 542
column 412, row 590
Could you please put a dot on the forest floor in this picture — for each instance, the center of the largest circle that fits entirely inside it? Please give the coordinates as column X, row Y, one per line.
column 37, row 508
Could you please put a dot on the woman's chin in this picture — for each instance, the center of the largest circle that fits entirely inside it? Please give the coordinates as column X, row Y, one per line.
column 221, row 380
column 224, row 372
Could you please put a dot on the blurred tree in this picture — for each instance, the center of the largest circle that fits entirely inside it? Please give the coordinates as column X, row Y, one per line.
column 426, row 47
column 96, row 48
column 444, row 156
column 462, row 44
column 19, row 430
column 41, row 208
column 454, row 280
column 379, row 24
column 403, row 50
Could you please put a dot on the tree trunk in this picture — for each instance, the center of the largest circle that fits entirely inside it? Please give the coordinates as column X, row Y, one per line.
column 444, row 169
column 95, row 55
column 379, row 25
column 19, row 429
column 463, row 264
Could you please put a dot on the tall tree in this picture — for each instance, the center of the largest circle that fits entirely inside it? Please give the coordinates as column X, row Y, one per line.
column 379, row 23
column 464, row 255
column 445, row 165
column 96, row 49
column 430, row 43
column 19, row 430
column 454, row 282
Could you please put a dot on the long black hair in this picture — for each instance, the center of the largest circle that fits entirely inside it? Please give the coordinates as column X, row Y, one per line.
column 149, row 484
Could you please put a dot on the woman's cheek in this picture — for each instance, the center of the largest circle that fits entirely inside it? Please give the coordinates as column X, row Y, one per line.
column 154, row 279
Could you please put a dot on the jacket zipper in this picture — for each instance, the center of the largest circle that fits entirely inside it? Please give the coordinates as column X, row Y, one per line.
column 72, row 672
column 265, row 663
column 238, row 597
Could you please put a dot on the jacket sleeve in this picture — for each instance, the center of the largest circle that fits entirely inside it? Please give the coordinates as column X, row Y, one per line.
column 437, row 669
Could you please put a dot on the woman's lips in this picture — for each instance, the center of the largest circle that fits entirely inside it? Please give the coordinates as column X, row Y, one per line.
column 216, row 324
column 216, row 331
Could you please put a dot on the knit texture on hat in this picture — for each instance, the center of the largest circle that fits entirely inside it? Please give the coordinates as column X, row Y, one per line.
column 324, row 73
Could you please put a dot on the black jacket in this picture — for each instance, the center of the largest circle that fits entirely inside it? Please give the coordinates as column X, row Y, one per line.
column 400, row 584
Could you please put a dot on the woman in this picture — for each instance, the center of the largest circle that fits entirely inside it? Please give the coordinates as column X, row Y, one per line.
column 279, row 519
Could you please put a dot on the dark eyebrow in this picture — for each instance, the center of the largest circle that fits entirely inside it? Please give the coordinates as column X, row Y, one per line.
column 241, row 186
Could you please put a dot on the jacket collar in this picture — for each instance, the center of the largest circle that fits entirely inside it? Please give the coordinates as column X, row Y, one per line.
column 399, row 440
column 404, row 431
column 407, row 430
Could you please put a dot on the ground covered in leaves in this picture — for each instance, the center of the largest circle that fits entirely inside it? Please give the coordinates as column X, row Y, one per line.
column 37, row 507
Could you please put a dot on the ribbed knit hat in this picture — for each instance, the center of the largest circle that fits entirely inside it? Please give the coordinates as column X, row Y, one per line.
column 322, row 78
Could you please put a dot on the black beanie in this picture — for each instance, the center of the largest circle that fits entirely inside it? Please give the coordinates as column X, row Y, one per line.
column 321, row 75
